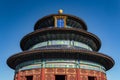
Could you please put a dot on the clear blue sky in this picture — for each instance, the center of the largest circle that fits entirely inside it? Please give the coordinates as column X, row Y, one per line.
column 17, row 18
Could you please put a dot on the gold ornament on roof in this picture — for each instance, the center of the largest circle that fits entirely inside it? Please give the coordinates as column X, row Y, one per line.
column 60, row 11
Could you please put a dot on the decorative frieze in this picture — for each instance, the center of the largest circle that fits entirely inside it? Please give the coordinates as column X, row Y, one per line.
column 60, row 70
column 49, row 71
column 70, row 73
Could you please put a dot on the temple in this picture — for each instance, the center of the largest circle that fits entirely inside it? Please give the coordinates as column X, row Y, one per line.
column 60, row 48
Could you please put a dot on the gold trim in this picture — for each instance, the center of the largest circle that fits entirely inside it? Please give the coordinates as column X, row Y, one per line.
column 60, row 17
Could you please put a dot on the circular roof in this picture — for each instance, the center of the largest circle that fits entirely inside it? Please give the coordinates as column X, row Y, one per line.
column 48, row 21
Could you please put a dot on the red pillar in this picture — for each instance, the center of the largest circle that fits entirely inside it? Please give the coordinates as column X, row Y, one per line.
column 18, row 75
column 78, row 74
column 42, row 74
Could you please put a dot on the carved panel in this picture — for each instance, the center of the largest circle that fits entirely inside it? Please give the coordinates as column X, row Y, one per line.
column 71, row 77
column 49, row 77
column 96, row 73
column 37, row 71
column 23, row 78
column 71, row 71
column 49, row 70
column 98, row 78
column 21, row 73
column 37, row 77
column 29, row 72
column 83, row 71
column 60, row 71
column 103, row 75
column 91, row 72
column 84, row 78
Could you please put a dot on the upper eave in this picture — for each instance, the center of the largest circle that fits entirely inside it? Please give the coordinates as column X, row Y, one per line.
column 58, row 30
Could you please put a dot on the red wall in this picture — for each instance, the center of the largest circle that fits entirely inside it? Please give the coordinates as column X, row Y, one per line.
column 49, row 74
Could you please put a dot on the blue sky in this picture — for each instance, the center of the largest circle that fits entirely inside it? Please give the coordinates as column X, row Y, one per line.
column 17, row 18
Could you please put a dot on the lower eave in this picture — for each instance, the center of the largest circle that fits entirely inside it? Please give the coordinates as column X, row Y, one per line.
column 99, row 58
